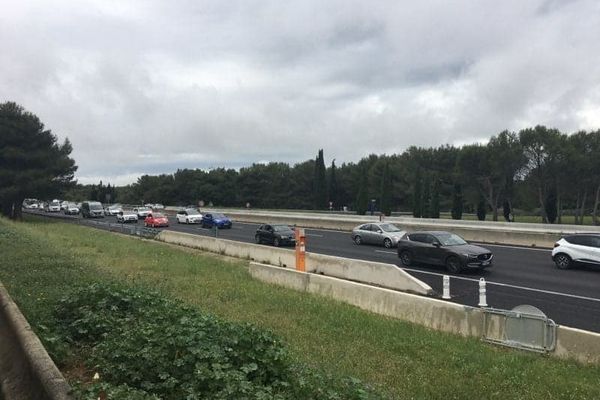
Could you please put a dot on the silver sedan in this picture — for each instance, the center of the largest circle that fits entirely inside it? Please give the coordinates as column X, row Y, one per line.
column 381, row 233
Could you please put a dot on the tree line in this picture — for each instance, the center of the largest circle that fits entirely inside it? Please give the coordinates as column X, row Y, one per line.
column 536, row 170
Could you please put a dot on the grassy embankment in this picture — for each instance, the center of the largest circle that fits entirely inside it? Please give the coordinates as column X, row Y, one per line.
column 42, row 260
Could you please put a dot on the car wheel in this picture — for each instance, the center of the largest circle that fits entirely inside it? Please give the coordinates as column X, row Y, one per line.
column 453, row 265
column 562, row 261
column 357, row 239
column 187, row 221
column 257, row 239
column 406, row 258
column 276, row 242
column 387, row 243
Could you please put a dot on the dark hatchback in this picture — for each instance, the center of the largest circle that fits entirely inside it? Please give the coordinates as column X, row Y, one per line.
column 443, row 248
column 277, row 235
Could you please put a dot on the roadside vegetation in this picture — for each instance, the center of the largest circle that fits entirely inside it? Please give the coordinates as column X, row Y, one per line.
column 537, row 172
column 101, row 301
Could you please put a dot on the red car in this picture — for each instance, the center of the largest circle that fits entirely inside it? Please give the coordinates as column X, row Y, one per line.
column 155, row 220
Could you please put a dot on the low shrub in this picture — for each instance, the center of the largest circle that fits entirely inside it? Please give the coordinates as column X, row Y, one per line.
column 146, row 345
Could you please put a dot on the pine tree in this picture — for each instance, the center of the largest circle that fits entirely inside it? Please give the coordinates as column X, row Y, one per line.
column 32, row 162
column 386, row 190
column 362, row 199
column 457, row 202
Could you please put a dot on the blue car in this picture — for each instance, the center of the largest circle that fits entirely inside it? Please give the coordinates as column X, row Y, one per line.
column 215, row 219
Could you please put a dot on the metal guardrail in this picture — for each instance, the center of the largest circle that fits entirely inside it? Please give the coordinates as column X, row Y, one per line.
column 126, row 228
column 524, row 327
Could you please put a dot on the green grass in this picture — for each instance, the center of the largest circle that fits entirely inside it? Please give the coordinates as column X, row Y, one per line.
column 42, row 260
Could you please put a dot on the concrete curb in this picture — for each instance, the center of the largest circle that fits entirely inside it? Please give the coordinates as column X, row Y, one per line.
column 375, row 273
column 26, row 369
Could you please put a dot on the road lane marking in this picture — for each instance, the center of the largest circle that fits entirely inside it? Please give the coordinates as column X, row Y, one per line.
column 314, row 234
column 575, row 296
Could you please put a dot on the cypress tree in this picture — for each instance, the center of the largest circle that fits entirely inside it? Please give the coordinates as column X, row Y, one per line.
column 551, row 210
column 386, row 190
column 481, row 208
column 426, row 198
column 434, row 202
column 418, row 195
column 457, row 202
column 320, row 189
column 506, row 210
column 362, row 198
column 333, row 186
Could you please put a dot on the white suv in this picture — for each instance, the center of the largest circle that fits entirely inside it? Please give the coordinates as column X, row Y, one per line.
column 577, row 249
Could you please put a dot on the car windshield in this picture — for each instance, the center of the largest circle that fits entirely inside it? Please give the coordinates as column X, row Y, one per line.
column 450, row 239
column 72, row 205
column 95, row 206
column 55, row 203
column 218, row 216
column 281, row 228
column 158, row 215
column 115, row 206
column 143, row 209
column 191, row 211
column 390, row 228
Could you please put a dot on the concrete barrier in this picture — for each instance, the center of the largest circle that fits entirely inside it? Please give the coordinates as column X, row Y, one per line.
column 26, row 369
column 536, row 235
column 380, row 274
column 370, row 272
column 571, row 343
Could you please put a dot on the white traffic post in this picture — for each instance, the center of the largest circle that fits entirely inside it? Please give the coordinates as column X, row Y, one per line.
column 446, row 286
column 482, row 293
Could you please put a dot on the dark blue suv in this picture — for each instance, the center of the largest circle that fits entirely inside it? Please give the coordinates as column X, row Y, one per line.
column 210, row 220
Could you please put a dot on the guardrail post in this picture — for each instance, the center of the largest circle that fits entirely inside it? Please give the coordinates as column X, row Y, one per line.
column 300, row 249
column 482, row 293
column 446, row 287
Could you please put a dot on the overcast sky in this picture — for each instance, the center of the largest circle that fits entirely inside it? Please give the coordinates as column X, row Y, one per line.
column 152, row 86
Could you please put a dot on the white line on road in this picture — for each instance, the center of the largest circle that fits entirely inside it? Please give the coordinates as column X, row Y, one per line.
column 313, row 234
column 496, row 283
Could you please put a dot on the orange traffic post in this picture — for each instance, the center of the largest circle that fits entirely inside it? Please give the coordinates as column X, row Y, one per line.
column 300, row 249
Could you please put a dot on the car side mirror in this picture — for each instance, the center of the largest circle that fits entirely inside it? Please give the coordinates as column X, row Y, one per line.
column 437, row 244
column 379, row 231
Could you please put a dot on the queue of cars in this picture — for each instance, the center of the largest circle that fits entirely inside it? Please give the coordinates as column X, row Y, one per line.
column 426, row 247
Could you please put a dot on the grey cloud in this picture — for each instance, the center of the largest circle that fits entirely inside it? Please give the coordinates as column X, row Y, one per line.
column 147, row 86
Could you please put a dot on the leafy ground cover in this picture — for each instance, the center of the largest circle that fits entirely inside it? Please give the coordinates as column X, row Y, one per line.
column 154, row 347
column 44, row 260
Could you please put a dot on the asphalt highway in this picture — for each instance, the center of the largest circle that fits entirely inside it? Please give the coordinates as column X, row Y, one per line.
column 519, row 275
